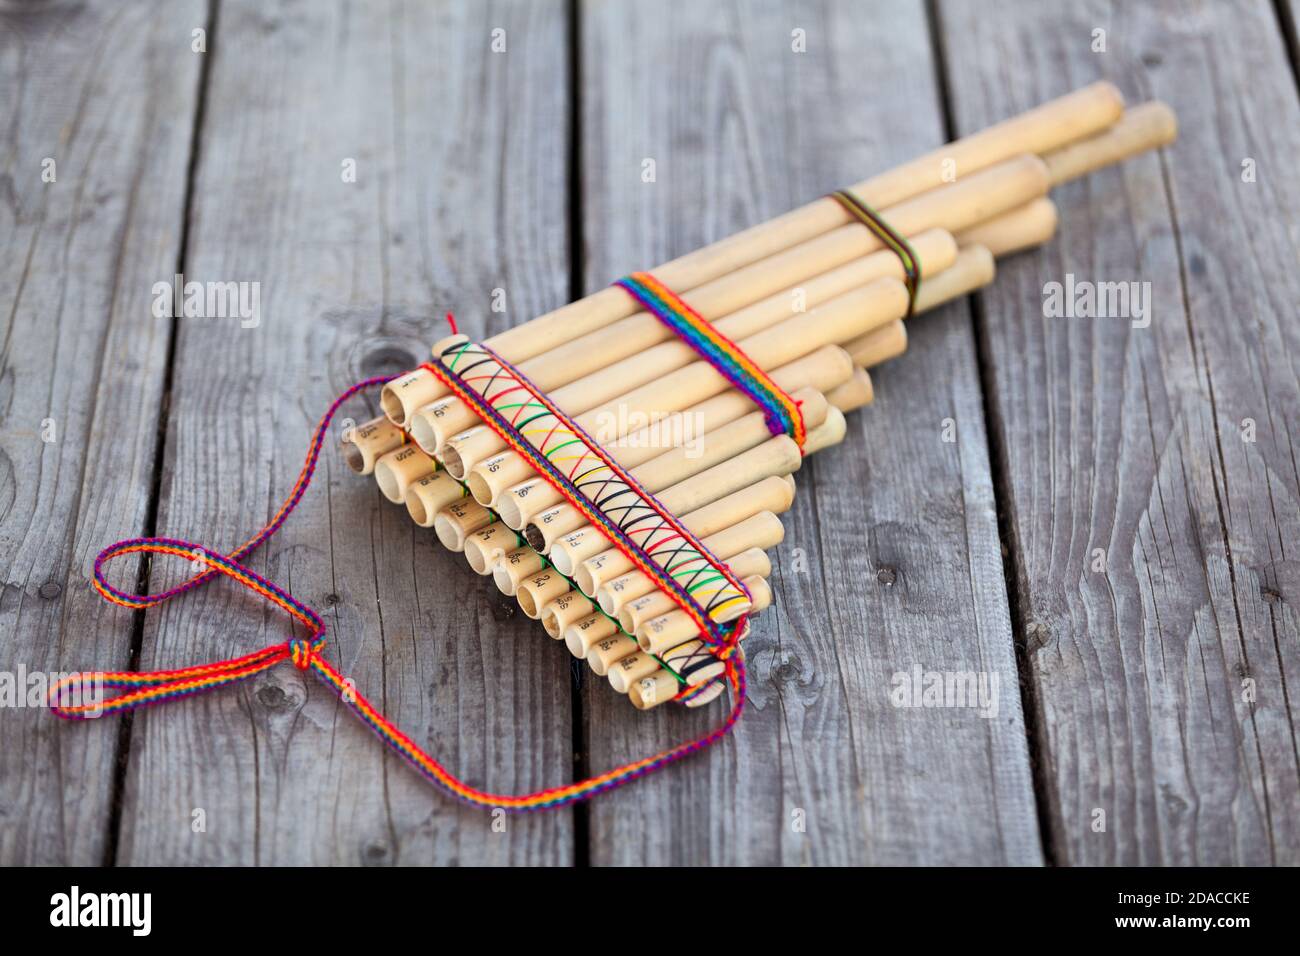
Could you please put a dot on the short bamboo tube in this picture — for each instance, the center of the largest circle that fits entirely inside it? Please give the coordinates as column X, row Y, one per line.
column 514, row 567
column 428, row 495
column 456, row 522
column 856, row 393
column 485, row 547
column 823, row 370
column 364, row 444
column 396, row 470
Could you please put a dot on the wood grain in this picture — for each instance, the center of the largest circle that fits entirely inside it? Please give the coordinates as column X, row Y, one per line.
column 460, row 189
column 108, row 93
column 823, row 768
column 1165, row 682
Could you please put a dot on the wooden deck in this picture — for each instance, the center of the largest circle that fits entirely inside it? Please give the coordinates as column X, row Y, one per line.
column 1114, row 533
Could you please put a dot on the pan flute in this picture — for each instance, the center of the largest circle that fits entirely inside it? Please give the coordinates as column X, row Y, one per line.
column 619, row 473
column 620, row 465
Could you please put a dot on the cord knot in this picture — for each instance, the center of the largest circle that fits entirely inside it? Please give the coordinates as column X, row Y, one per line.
column 300, row 652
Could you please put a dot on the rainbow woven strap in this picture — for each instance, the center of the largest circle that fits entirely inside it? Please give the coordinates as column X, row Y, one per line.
column 80, row 695
column 609, row 498
column 893, row 240
column 780, row 411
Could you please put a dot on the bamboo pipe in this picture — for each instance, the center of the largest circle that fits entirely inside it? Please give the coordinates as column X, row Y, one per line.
column 565, row 610
column 1050, row 126
column 773, row 494
column 364, row 444
column 973, row 269
column 1031, row 225
column 579, row 638
column 457, row 521
column 857, row 392
column 395, row 471
column 823, row 370
column 485, row 547
column 429, row 494
column 776, row 456
column 881, row 345
column 958, row 205
column 514, row 567
column 608, row 651
column 527, row 501
column 764, row 530
column 1144, row 127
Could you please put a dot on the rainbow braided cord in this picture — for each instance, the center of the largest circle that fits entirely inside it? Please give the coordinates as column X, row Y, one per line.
column 79, row 696
column 780, row 411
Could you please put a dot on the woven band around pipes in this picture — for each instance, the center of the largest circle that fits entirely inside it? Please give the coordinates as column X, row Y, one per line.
column 559, row 450
column 780, row 411
column 893, row 240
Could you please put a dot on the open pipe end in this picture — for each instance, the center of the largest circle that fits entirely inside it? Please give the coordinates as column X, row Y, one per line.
column 355, row 459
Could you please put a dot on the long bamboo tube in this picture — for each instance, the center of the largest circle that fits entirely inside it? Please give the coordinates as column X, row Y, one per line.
column 1035, row 221
column 1048, row 127
column 640, row 348
column 958, row 205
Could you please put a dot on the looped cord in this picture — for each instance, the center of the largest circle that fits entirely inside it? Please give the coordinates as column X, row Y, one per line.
column 893, row 240
column 139, row 689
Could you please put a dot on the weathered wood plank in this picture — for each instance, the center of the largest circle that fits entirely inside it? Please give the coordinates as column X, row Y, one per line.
column 741, row 127
column 1162, row 682
column 460, row 189
column 107, row 93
